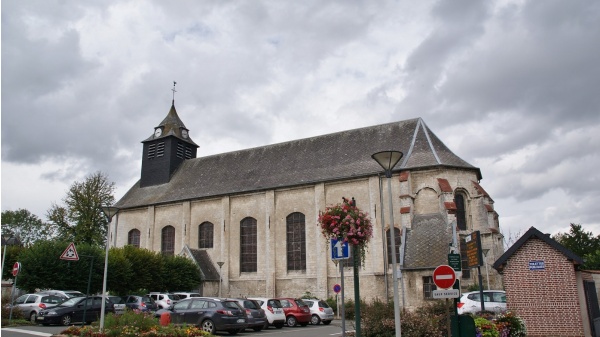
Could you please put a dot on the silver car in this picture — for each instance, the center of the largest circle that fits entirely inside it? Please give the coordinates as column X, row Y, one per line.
column 320, row 311
column 31, row 304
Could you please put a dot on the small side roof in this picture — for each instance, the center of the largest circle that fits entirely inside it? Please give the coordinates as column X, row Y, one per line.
column 534, row 233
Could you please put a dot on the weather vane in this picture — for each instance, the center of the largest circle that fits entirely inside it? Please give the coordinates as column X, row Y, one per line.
column 174, row 91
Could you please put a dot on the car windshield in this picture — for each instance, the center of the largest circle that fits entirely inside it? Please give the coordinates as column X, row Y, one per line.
column 300, row 303
column 274, row 304
column 323, row 304
column 71, row 301
column 147, row 299
column 115, row 299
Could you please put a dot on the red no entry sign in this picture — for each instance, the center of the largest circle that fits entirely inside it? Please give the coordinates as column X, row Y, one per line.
column 16, row 268
column 444, row 277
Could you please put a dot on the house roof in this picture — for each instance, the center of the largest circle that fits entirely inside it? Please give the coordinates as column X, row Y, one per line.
column 208, row 270
column 533, row 233
column 427, row 242
column 331, row 157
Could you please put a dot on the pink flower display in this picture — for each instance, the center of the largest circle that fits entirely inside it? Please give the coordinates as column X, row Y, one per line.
column 347, row 223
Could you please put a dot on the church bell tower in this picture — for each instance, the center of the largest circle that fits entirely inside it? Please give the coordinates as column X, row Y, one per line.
column 166, row 149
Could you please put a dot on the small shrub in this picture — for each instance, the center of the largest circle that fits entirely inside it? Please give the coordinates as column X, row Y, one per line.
column 332, row 302
column 510, row 322
column 485, row 328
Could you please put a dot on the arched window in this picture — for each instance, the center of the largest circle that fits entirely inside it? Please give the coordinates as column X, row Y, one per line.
column 461, row 211
column 133, row 238
column 397, row 242
column 205, row 235
column 296, row 242
column 168, row 240
column 248, row 254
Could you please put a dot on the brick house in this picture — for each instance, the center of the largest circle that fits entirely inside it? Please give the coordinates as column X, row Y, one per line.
column 256, row 210
column 545, row 287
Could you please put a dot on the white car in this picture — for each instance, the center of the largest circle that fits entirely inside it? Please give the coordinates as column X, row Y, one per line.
column 274, row 311
column 184, row 295
column 164, row 300
column 320, row 311
column 493, row 300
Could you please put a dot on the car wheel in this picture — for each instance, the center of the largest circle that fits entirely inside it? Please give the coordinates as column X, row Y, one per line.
column 291, row 321
column 326, row 322
column 315, row 320
column 208, row 326
column 266, row 326
column 33, row 317
column 65, row 320
column 279, row 325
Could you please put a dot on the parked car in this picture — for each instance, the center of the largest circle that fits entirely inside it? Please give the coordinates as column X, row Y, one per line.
column 141, row 303
column 184, row 295
column 296, row 311
column 273, row 310
column 31, row 304
column 209, row 314
column 164, row 300
column 118, row 304
column 493, row 300
column 257, row 318
column 320, row 311
column 63, row 293
column 71, row 311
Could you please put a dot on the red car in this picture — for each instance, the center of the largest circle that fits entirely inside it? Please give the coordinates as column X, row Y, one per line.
column 296, row 311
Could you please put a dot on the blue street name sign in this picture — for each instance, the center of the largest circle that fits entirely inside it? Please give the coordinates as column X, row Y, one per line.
column 339, row 250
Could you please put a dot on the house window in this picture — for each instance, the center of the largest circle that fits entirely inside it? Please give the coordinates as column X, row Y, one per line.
column 296, row 242
column 397, row 242
column 461, row 218
column 168, row 240
column 205, row 235
column 428, row 287
column 248, row 255
column 133, row 238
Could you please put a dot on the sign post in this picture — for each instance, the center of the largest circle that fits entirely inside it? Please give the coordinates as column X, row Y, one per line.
column 15, row 271
column 475, row 259
column 340, row 251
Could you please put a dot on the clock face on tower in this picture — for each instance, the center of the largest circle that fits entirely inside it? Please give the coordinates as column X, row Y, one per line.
column 184, row 133
column 157, row 132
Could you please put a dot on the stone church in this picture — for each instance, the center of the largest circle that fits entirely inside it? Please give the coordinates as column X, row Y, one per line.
column 249, row 217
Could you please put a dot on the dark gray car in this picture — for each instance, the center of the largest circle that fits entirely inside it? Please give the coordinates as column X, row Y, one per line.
column 257, row 318
column 209, row 314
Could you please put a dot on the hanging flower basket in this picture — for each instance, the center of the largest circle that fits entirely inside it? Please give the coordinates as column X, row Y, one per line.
column 347, row 223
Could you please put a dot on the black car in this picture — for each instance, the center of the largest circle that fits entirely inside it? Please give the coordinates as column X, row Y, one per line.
column 71, row 311
column 141, row 303
column 257, row 318
column 209, row 314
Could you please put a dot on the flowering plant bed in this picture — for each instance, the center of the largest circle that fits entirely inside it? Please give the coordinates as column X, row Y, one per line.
column 347, row 223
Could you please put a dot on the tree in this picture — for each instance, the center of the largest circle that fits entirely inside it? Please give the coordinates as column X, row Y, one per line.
column 583, row 244
column 81, row 220
column 26, row 226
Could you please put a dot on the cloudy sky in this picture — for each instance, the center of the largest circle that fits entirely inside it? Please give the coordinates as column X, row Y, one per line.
column 512, row 87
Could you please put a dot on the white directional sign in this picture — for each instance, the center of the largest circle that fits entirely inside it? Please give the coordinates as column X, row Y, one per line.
column 339, row 250
column 445, row 293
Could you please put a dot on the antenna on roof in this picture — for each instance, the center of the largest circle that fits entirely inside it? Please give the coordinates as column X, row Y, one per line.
column 174, row 91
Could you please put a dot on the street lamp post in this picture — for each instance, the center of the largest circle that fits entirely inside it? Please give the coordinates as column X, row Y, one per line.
column 220, row 276
column 109, row 212
column 387, row 160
